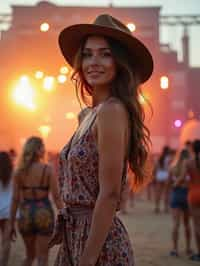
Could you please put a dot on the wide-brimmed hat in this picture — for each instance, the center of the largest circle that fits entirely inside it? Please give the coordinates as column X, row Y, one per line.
column 71, row 38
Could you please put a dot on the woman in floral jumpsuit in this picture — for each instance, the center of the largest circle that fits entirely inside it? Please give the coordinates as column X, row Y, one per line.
column 93, row 165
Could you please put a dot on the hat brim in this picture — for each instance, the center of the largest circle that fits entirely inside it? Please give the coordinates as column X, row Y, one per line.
column 71, row 37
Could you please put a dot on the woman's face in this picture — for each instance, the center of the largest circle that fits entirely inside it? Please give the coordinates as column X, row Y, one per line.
column 98, row 65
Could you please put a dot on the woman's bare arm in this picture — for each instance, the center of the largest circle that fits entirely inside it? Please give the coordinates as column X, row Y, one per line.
column 54, row 189
column 111, row 131
column 15, row 199
column 183, row 174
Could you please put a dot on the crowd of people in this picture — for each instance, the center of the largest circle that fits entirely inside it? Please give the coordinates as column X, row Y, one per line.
column 177, row 186
column 175, row 189
column 94, row 180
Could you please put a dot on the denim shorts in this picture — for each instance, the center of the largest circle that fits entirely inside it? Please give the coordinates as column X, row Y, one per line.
column 178, row 199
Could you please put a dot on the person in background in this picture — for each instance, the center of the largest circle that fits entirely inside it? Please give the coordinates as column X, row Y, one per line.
column 33, row 181
column 150, row 188
column 6, row 169
column 189, row 148
column 161, row 174
column 13, row 156
column 178, row 203
column 192, row 169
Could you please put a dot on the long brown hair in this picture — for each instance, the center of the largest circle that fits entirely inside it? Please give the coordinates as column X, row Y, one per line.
column 126, row 88
column 6, row 168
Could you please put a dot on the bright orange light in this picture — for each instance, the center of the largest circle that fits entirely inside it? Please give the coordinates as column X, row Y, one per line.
column 142, row 99
column 70, row 115
column 44, row 27
column 48, row 83
column 164, row 82
column 131, row 27
column 61, row 78
column 24, row 79
column 39, row 74
column 44, row 130
column 64, row 70
column 23, row 93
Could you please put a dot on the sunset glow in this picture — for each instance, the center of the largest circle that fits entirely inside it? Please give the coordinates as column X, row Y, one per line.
column 23, row 93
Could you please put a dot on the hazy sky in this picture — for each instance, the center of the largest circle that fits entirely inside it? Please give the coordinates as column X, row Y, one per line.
column 168, row 34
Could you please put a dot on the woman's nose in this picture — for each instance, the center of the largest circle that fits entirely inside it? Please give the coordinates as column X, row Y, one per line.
column 95, row 59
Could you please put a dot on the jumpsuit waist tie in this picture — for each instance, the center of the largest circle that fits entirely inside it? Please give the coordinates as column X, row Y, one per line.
column 65, row 221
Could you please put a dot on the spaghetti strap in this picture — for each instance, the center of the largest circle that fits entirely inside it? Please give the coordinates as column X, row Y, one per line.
column 70, row 145
column 93, row 120
column 96, row 110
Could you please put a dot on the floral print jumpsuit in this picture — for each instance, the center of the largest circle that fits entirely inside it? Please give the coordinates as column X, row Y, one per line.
column 79, row 188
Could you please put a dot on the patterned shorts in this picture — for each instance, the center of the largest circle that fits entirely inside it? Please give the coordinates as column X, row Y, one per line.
column 36, row 217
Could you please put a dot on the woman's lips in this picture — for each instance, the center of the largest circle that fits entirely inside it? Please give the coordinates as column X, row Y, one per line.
column 94, row 73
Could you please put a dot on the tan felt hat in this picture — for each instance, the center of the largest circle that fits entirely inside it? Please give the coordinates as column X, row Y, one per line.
column 105, row 25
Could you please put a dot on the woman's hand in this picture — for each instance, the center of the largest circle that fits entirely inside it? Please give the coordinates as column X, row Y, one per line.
column 57, row 235
column 56, row 239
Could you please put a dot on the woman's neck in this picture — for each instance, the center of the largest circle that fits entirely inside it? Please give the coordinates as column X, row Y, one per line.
column 100, row 96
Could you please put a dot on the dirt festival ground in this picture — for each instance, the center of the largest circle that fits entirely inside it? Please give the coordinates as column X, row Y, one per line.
column 149, row 233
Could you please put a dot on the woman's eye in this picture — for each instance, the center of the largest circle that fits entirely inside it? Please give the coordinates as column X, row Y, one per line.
column 85, row 54
column 107, row 54
column 103, row 54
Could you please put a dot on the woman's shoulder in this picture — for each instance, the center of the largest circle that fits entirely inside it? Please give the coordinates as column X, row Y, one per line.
column 45, row 167
column 113, row 108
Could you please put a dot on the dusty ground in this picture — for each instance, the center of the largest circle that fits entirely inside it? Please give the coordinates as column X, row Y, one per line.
column 149, row 233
